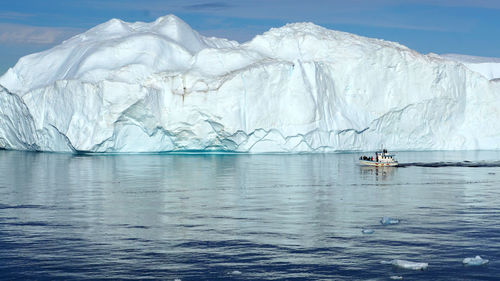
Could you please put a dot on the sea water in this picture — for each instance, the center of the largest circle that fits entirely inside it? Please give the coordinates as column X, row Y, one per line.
column 247, row 217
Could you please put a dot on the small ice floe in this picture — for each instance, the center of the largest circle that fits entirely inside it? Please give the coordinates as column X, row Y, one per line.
column 235, row 272
column 407, row 264
column 367, row 231
column 395, row 277
column 388, row 220
column 475, row 261
column 177, row 279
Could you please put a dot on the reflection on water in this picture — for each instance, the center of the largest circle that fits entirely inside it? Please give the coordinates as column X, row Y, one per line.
column 244, row 217
column 379, row 173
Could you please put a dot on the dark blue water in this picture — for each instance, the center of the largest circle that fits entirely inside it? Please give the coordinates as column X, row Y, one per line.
column 246, row 217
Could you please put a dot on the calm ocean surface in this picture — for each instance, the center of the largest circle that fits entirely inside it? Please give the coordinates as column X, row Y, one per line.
column 246, row 217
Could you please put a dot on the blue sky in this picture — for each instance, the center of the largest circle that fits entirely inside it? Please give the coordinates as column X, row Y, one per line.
column 469, row 27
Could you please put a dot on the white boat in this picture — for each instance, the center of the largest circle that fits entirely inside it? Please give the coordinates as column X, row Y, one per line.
column 382, row 159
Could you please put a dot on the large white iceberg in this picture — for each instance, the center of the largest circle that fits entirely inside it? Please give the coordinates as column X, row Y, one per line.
column 161, row 86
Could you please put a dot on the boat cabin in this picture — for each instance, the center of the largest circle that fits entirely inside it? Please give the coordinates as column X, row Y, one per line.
column 382, row 158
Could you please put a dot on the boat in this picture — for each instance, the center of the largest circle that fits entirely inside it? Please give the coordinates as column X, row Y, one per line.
column 382, row 159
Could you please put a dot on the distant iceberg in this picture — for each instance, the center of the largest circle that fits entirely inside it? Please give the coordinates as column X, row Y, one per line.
column 488, row 67
column 161, row 86
column 388, row 221
column 407, row 264
column 367, row 231
column 475, row 261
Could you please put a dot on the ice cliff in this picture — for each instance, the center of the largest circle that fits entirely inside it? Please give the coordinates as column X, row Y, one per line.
column 161, row 86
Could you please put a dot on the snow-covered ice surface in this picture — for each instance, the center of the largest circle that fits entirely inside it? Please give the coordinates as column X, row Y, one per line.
column 161, row 86
column 488, row 67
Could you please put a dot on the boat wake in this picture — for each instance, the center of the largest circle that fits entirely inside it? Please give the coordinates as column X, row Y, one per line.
column 480, row 164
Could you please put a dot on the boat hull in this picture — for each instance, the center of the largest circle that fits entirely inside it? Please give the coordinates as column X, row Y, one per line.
column 377, row 164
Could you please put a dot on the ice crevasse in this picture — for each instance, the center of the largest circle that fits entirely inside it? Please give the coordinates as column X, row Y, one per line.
column 161, row 86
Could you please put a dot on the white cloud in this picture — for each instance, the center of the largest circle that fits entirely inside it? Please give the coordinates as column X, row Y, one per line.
column 16, row 33
column 487, row 4
column 14, row 15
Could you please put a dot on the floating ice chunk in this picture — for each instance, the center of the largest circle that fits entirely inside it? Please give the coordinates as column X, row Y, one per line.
column 367, row 231
column 407, row 264
column 388, row 220
column 396, row 277
column 475, row 261
column 235, row 272
column 410, row 265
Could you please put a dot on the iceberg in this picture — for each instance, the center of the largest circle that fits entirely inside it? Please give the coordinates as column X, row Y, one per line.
column 407, row 264
column 475, row 261
column 162, row 86
column 388, row 221
column 367, row 231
